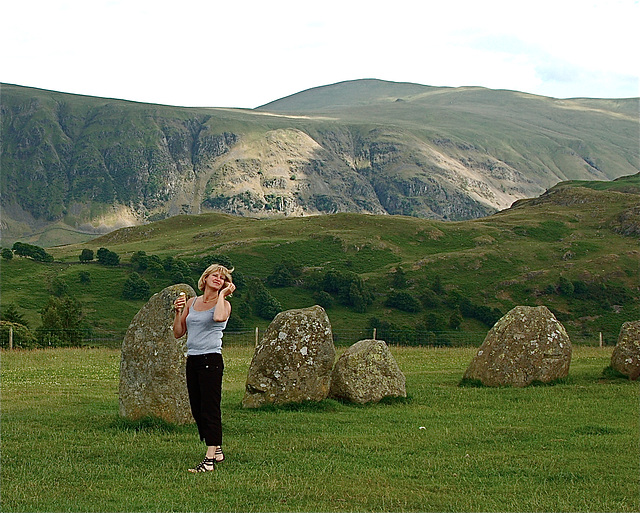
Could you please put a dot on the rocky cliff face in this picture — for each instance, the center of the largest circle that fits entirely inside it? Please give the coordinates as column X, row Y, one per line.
column 96, row 165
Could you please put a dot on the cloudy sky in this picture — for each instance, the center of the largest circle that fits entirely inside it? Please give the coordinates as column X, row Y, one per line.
column 245, row 53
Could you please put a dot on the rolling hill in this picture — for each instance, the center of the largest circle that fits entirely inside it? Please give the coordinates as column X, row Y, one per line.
column 573, row 249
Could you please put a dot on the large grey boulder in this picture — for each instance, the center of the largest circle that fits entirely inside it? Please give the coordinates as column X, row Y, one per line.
column 625, row 357
column 367, row 372
column 152, row 365
column 526, row 345
column 292, row 362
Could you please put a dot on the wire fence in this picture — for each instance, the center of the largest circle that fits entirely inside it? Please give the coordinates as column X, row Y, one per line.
column 347, row 337
column 251, row 337
column 409, row 337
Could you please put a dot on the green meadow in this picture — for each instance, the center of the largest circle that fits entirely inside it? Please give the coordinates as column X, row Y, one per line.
column 572, row 446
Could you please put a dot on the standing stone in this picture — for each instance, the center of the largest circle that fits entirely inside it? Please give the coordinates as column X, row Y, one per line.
column 626, row 355
column 367, row 372
column 152, row 365
column 526, row 345
column 293, row 361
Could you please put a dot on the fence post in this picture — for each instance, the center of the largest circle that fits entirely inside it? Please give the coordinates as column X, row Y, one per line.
column 601, row 339
column 10, row 337
column 257, row 336
column 374, row 333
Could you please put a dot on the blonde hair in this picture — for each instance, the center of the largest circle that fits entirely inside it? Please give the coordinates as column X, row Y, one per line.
column 214, row 268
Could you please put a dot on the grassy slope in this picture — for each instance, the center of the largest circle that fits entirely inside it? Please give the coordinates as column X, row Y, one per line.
column 501, row 261
column 626, row 184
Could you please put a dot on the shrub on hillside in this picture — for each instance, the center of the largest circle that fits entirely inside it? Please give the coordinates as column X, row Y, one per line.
column 136, row 287
column 565, row 287
column 59, row 287
column 435, row 322
column 607, row 294
column 485, row 314
column 349, row 287
column 393, row 333
column 107, row 257
column 455, row 321
column 360, row 297
column 215, row 258
column 264, row 305
column 403, row 301
column 241, row 307
column 239, row 280
column 235, row 323
column 180, row 265
column 10, row 314
column 430, row 299
column 284, row 274
column 178, row 277
column 167, row 263
column 86, row 255
column 61, row 322
column 139, row 261
column 580, row 287
column 155, row 268
column 399, row 279
column 324, row 299
column 313, row 280
column 34, row 252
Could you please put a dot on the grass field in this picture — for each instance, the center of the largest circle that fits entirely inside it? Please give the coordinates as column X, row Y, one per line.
column 568, row 447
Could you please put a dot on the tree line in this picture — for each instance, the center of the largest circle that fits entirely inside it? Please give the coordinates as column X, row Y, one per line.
column 63, row 319
column 435, row 308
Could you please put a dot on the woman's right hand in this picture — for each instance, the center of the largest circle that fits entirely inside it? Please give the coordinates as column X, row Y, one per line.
column 179, row 324
column 180, row 302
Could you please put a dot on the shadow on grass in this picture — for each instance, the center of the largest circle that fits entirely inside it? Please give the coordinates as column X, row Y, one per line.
column 328, row 405
column 609, row 374
column 476, row 383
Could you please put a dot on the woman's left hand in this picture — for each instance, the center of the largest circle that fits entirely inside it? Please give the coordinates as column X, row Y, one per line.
column 228, row 290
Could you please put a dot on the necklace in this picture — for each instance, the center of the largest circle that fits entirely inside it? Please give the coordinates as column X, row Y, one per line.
column 209, row 300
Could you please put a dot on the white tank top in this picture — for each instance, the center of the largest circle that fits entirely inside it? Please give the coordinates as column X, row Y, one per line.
column 204, row 335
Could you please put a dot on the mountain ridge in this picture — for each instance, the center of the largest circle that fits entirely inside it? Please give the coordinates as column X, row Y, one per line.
column 91, row 165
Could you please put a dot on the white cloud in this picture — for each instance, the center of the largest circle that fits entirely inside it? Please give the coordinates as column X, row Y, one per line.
column 247, row 53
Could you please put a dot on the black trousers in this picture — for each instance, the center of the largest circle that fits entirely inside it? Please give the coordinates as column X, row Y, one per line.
column 204, row 384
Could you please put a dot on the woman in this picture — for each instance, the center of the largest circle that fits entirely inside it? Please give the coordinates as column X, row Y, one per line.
column 204, row 318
